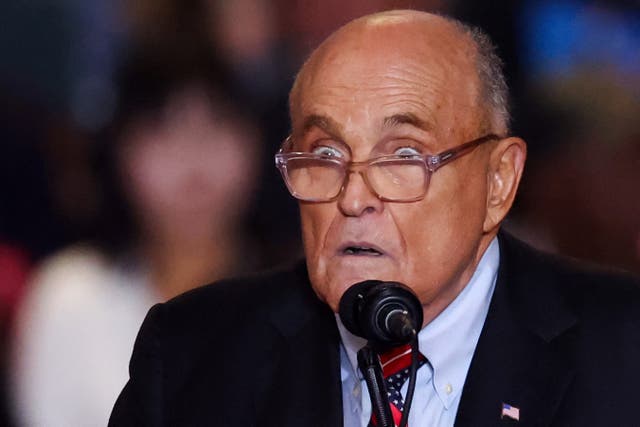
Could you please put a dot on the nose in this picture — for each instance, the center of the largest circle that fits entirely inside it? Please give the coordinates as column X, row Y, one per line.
column 357, row 198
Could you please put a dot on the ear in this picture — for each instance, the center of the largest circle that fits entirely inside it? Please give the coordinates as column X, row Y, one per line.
column 506, row 165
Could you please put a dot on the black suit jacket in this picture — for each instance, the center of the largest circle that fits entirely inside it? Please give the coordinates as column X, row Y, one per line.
column 560, row 343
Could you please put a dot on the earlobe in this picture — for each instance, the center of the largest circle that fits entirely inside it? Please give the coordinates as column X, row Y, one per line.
column 506, row 165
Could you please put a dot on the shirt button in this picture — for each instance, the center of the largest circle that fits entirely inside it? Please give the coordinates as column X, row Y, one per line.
column 356, row 391
column 448, row 388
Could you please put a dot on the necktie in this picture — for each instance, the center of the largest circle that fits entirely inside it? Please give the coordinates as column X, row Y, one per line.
column 395, row 369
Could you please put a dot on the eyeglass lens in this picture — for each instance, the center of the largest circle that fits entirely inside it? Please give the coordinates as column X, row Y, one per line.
column 321, row 179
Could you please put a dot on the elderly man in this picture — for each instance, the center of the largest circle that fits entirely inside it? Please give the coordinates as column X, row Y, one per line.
column 401, row 159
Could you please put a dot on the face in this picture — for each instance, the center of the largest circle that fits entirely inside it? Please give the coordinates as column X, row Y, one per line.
column 384, row 88
column 188, row 172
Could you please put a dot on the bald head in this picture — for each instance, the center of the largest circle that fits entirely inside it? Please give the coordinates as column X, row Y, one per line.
column 462, row 53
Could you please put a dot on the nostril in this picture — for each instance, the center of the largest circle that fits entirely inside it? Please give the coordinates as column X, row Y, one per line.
column 357, row 197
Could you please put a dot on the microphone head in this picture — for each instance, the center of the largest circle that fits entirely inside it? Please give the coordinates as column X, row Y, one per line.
column 366, row 306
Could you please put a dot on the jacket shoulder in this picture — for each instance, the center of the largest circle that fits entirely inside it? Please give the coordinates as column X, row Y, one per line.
column 583, row 285
column 240, row 302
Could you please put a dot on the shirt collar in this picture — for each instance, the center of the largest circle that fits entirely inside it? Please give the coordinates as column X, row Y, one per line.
column 449, row 340
column 352, row 344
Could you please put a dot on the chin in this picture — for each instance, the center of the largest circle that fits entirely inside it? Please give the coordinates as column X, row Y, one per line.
column 332, row 293
column 340, row 273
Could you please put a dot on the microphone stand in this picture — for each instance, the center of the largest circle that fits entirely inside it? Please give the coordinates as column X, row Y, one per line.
column 369, row 364
column 413, row 373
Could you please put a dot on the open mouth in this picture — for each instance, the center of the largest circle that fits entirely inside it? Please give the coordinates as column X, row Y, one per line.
column 361, row 250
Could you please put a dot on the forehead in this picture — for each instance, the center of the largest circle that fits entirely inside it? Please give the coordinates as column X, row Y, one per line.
column 379, row 70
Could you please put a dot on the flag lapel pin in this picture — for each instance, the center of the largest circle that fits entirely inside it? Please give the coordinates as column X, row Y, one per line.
column 510, row 412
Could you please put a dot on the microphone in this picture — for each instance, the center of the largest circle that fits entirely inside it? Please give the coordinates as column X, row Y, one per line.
column 387, row 314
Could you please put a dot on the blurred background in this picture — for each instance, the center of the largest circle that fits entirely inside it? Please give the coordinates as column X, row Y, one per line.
column 136, row 146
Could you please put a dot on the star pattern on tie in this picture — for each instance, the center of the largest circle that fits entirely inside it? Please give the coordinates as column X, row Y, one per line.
column 394, row 387
column 396, row 365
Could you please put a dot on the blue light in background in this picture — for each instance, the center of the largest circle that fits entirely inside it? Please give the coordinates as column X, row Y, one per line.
column 561, row 37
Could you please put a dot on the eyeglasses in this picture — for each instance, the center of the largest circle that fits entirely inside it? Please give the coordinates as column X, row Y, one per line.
column 394, row 178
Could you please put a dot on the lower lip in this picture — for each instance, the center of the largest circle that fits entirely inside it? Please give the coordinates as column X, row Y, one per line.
column 362, row 254
column 360, row 258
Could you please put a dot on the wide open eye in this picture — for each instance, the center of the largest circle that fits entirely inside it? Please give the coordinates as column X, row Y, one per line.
column 407, row 151
column 327, row 151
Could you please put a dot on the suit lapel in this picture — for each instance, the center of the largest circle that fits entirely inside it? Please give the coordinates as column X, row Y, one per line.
column 524, row 356
column 304, row 388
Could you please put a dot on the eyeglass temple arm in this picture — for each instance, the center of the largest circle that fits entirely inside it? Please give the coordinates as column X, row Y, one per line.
column 436, row 162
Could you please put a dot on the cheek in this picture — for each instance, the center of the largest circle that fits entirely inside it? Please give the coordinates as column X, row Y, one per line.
column 229, row 173
column 441, row 233
column 316, row 220
column 147, row 176
column 459, row 200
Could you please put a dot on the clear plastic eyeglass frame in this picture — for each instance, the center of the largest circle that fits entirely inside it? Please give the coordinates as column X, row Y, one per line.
column 429, row 163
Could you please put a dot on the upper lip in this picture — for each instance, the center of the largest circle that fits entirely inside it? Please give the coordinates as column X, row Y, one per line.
column 360, row 244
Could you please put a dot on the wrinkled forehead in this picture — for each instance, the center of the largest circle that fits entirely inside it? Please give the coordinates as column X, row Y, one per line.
column 425, row 66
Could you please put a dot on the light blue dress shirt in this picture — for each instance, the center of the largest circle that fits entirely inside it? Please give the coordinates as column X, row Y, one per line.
column 448, row 342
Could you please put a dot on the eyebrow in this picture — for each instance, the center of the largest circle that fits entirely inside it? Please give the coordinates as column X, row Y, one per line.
column 330, row 126
column 325, row 123
column 406, row 118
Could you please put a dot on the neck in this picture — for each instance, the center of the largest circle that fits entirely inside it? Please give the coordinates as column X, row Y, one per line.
column 462, row 279
column 178, row 265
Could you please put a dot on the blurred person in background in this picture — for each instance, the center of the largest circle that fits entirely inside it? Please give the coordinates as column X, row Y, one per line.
column 178, row 164
column 249, row 37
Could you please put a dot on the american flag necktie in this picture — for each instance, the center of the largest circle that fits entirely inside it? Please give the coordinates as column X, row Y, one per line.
column 395, row 369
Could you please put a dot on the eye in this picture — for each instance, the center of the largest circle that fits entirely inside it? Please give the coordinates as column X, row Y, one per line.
column 407, row 152
column 326, row 151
